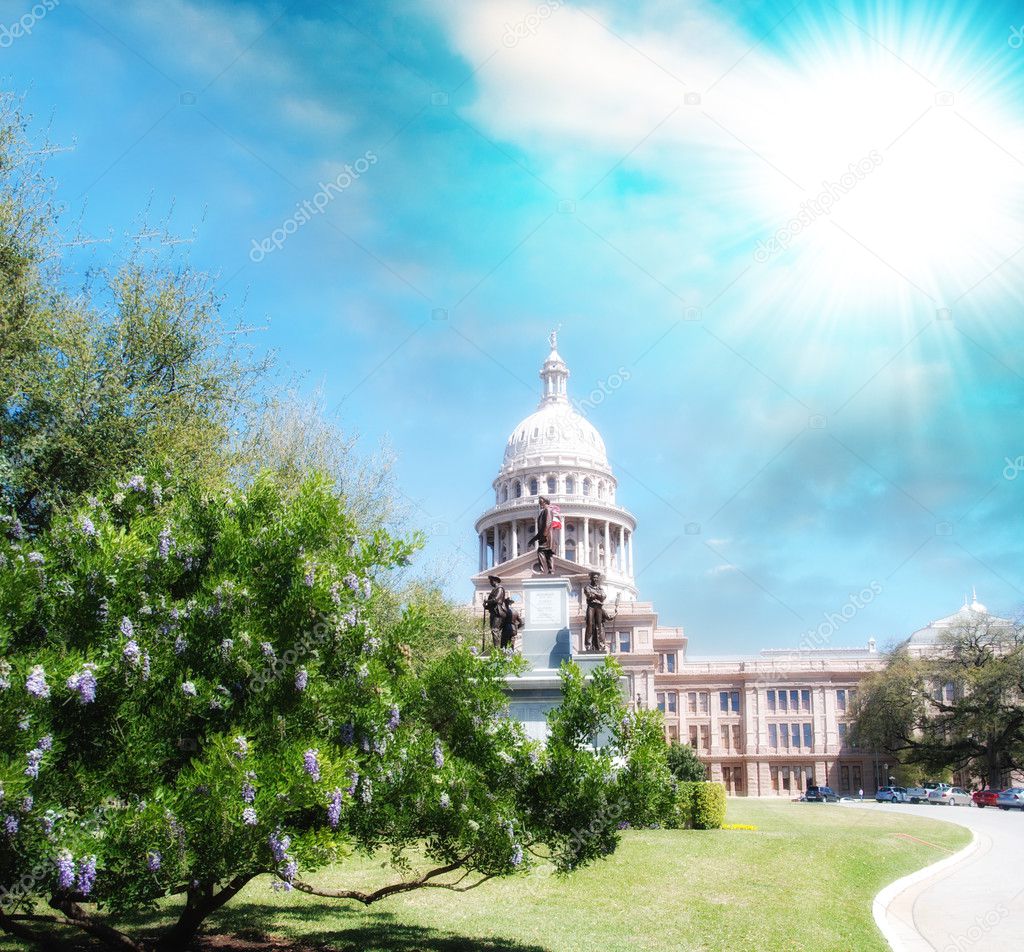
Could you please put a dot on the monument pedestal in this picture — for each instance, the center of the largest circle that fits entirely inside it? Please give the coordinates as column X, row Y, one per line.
column 545, row 642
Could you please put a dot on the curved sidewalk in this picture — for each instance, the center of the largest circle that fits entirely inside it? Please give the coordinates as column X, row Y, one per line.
column 972, row 901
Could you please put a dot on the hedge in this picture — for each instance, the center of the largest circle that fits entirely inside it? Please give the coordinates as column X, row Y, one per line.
column 700, row 805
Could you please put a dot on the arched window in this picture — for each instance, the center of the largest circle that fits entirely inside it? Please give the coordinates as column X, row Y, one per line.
column 536, row 432
column 518, row 489
column 504, row 492
column 552, row 485
column 533, row 487
column 586, row 487
column 570, row 485
column 600, row 489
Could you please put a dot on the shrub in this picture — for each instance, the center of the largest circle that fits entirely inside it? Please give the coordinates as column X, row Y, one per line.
column 700, row 805
column 684, row 763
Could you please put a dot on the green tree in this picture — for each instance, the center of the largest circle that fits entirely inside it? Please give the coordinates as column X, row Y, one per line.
column 685, row 764
column 957, row 709
column 202, row 685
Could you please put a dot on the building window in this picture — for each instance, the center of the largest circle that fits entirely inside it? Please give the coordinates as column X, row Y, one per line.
column 586, row 487
column 570, row 551
column 795, row 729
column 805, row 700
column 783, row 702
column 570, row 485
column 842, row 734
column 697, row 702
column 518, row 489
column 625, row 641
column 808, row 736
column 700, row 735
column 844, row 779
column 667, row 663
column 552, row 485
column 773, row 736
column 841, row 699
column 667, row 702
column 858, row 781
column 771, row 702
column 729, row 701
column 794, row 700
column 533, row 487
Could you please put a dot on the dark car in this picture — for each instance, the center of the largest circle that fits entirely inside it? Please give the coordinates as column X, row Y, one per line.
column 821, row 795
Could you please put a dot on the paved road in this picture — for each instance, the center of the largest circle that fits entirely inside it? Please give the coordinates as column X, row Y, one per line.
column 975, row 905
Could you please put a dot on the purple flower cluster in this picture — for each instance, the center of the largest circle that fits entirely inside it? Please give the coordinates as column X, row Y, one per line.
column 445, row 801
column 350, row 619
column 132, row 653
column 145, row 666
column 438, row 755
column 5, row 671
column 17, row 530
column 45, row 743
column 366, row 791
column 36, row 684
column 348, row 733
column 225, row 648
column 35, row 757
column 517, row 855
column 249, row 817
column 87, row 526
column 310, row 577
column 188, row 689
column 279, row 845
column 86, row 875
column 164, row 541
column 301, row 679
column 336, row 593
column 127, row 628
column 367, row 588
column 180, row 644
column 311, row 763
column 268, row 649
column 10, row 824
column 334, row 808
column 243, row 747
column 84, row 682
column 153, row 860
column 352, row 786
column 65, row 870
column 248, row 792
column 36, row 558
column 351, row 582
column 136, row 484
column 27, row 803
column 394, row 719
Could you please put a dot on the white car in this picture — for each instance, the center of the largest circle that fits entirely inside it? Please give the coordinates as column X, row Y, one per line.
column 953, row 796
column 1011, row 799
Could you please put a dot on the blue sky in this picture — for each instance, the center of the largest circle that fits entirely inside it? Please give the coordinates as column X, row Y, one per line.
column 814, row 404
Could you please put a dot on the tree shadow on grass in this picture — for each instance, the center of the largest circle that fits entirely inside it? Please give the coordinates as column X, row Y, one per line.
column 255, row 927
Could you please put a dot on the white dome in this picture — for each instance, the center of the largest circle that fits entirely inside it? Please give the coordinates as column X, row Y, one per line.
column 555, row 430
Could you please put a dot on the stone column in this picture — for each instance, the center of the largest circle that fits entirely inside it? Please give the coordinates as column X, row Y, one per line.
column 483, row 552
column 621, row 561
column 515, row 539
column 631, row 553
column 586, row 541
column 607, row 547
column 561, row 538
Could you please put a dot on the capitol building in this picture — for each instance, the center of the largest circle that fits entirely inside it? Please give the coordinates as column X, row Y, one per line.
column 766, row 724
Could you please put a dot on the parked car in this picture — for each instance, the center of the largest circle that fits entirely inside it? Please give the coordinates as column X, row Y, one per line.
column 951, row 796
column 985, row 798
column 920, row 794
column 1011, row 799
column 892, row 795
column 821, row 795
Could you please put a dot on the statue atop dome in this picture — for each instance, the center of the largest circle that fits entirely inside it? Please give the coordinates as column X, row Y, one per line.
column 553, row 338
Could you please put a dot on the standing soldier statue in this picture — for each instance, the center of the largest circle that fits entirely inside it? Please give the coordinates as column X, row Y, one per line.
column 497, row 607
column 596, row 614
column 511, row 625
column 543, row 538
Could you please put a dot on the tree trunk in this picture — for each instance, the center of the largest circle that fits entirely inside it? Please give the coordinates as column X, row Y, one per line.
column 200, row 902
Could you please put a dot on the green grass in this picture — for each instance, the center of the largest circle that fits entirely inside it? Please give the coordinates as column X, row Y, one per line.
column 804, row 880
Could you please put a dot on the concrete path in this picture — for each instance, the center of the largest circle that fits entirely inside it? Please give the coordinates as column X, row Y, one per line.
column 972, row 902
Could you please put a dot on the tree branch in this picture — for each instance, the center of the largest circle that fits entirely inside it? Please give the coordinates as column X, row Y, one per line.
column 423, row 882
column 79, row 917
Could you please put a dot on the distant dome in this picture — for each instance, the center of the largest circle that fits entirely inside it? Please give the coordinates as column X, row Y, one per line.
column 555, row 430
column 970, row 613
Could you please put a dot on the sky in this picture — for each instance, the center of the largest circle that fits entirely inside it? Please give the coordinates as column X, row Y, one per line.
column 789, row 234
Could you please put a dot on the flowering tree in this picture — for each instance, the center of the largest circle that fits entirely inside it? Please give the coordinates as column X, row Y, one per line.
column 201, row 687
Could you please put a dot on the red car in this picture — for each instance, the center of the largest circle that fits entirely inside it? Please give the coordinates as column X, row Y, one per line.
column 985, row 798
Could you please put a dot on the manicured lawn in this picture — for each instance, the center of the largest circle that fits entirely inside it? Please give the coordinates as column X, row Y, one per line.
column 803, row 880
